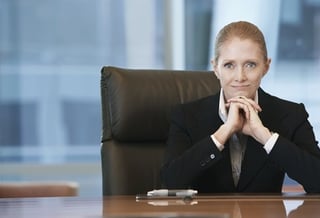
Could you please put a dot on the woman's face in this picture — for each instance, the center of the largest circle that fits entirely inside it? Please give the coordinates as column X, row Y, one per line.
column 240, row 67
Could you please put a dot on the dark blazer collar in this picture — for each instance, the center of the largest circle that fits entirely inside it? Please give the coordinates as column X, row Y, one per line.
column 268, row 116
column 207, row 111
column 271, row 114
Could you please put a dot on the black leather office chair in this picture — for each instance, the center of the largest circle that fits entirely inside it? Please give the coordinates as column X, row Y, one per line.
column 136, row 107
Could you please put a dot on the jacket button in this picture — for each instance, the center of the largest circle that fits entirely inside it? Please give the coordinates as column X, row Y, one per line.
column 212, row 156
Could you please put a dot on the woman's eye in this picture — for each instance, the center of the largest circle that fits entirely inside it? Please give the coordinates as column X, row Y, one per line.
column 228, row 65
column 251, row 65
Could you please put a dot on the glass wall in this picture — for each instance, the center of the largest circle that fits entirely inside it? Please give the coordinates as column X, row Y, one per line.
column 51, row 54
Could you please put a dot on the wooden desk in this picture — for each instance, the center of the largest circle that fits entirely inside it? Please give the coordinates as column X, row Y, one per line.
column 231, row 206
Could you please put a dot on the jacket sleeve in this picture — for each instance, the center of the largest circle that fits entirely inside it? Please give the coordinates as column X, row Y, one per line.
column 296, row 151
column 186, row 159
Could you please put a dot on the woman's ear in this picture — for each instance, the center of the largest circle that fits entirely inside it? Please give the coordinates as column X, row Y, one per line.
column 214, row 66
column 267, row 66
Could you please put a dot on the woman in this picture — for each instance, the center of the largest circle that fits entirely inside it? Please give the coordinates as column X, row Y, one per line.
column 242, row 139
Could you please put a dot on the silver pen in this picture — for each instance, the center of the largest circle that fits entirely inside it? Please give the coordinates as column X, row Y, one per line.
column 172, row 192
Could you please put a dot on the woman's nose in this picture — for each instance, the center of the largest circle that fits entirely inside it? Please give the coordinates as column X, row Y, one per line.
column 240, row 74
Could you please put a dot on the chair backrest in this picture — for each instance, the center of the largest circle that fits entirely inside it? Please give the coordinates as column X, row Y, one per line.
column 136, row 107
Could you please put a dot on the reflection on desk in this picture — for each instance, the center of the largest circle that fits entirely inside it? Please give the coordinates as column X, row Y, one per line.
column 128, row 207
column 233, row 208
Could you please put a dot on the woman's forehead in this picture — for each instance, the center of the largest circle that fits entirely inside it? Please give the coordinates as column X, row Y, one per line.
column 237, row 48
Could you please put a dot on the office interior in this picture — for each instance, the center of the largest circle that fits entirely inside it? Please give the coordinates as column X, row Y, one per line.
column 51, row 54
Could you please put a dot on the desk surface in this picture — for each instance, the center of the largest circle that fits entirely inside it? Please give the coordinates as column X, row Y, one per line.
column 232, row 206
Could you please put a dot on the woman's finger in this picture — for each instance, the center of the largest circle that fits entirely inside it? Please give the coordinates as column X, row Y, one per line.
column 245, row 100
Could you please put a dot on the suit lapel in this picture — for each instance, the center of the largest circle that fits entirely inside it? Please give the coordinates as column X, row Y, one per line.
column 209, row 121
column 255, row 155
column 269, row 117
column 254, row 159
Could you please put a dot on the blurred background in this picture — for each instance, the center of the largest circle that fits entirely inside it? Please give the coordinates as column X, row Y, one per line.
column 51, row 54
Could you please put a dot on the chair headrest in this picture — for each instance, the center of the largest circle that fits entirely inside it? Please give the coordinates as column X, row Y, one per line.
column 136, row 104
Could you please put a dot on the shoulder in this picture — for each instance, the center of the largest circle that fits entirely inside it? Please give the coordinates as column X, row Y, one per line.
column 266, row 98
column 200, row 104
column 198, row 109
column 281, row 107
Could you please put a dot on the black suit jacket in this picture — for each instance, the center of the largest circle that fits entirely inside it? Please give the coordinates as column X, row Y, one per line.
column 192, row 159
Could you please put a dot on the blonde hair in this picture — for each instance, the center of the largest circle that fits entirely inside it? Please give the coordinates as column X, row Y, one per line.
column 242, row 30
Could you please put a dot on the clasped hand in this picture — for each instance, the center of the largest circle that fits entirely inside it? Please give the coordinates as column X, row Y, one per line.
column 243, row 117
